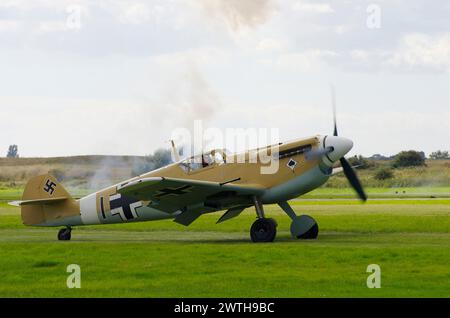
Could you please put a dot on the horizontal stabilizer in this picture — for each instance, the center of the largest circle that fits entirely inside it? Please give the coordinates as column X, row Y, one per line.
column 38, row 201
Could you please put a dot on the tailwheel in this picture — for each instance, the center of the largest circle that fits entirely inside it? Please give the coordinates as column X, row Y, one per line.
column 65, row 234
column 304, row 227
column 263, row 230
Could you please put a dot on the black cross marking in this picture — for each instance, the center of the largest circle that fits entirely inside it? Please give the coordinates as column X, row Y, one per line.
column 124, row 203
column 177, row 191
column 50, row 187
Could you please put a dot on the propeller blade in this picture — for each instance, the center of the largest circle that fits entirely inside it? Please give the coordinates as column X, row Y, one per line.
column 353, row 179
column 333, row 103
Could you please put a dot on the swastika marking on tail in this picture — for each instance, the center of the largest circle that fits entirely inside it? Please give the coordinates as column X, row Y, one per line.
column 50, row 187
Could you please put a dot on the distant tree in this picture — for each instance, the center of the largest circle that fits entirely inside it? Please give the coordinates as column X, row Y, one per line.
column 439, row 155
column 13, row 152
column 379, row 157
column 409, row 159
column 384, row 174
column 360, row 162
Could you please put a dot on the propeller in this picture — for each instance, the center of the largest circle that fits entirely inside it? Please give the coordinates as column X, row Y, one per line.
column 349, row 172
column 353, row 179
column 333, row 103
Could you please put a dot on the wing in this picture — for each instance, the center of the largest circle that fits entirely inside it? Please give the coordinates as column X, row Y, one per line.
column 171, row 194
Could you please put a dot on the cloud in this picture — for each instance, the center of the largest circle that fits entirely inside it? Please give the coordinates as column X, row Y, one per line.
column 51, row 26
column 414, row 53
column 270, row 44
column 400, row 130
column 309, row 7
column 238, row 14
column 126, row 27
column 9, row 25
column 137, row 13
column 144, row 13
column 420, row 51
column 137, row 69
column 305, row 60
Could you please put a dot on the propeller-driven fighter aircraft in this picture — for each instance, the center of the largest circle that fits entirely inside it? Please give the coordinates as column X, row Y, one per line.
column 210, row 182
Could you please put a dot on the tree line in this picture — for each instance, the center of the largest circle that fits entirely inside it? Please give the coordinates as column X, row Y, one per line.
column 404, row 159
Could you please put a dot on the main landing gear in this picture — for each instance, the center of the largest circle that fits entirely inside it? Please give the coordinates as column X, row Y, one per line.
column 65, row 234
column 265, row 230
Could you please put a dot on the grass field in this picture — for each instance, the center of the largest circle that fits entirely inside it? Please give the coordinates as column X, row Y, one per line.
column 383, row 193
column 408, row 238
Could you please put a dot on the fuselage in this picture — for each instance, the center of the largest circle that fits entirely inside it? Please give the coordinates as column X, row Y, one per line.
column 294, row 175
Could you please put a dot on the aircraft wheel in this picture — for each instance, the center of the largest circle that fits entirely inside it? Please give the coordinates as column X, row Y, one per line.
column 65, row 234
column 263, row 230
column 304, row 227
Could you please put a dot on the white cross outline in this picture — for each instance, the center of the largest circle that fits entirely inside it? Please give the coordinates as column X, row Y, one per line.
column 133, row 207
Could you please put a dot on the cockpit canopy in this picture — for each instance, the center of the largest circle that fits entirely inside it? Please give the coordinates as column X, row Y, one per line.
column 214, row 157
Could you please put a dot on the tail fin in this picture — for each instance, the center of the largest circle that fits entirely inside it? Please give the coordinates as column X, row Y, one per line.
column 45, row 199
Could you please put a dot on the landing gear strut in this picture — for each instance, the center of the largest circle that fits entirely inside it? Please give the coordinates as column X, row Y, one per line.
column 302, row 227
column 262, row 230
column 65, row 234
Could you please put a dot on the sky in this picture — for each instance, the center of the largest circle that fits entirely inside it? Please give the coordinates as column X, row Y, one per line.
column 118, row 77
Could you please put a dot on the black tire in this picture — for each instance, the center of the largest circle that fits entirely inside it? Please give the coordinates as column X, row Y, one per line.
column 263, row 231
column 311, row 234
column 65, row 234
